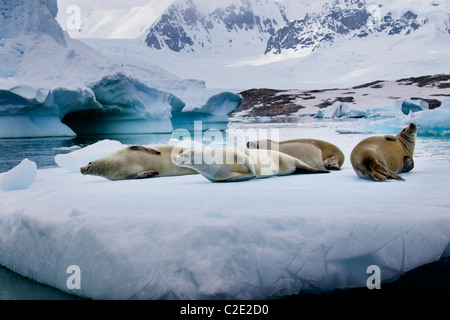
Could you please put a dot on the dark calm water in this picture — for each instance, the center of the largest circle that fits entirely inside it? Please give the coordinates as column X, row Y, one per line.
column 429, row 282
column 43, row 150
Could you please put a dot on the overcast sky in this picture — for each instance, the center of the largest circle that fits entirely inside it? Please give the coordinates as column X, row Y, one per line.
column 110, row 4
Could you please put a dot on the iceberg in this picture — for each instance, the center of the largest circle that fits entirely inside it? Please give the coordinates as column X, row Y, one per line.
column 31, row 126
column 414, row 106
column 435, row 122
column 392, row 111
column 430, row 122
column 213, row 114
column 20, row 17
column 27, row 117
column 119, row 105
column 340, row 110
column 52, row 85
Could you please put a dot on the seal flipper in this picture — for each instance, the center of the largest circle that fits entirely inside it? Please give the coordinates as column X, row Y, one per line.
column 331, row 164
column 380, row 173
column 146, row 149
column 301, row 167
column 238, row 179
column 390, row 138
column 144, row 175
column 408, row 164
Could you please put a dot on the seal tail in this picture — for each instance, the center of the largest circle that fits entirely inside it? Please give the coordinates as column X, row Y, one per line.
column 381, row 173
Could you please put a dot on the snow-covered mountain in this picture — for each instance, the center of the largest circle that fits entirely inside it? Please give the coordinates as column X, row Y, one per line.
column 350, row 19
column 261, row 26
column 102, row 19
column 190, row 25
column 196, row 25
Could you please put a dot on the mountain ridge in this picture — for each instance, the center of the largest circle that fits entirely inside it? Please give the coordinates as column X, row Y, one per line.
column 186, row 26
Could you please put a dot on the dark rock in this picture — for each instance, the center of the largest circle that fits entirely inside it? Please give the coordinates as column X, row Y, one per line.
column 267, row 103
column 432, row 103
column 345, row 99
column 430, row 80
column 370, row 84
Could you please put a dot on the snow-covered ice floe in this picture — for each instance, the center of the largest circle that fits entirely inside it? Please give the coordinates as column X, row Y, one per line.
column 187, row 238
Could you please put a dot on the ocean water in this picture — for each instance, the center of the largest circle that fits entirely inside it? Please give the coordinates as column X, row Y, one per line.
column 431, row 281
column 43, row 150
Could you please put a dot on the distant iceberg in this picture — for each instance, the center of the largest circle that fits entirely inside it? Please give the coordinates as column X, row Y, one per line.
column 430, row 122
column 435, row 122
column 414, row 106
column 340, row 110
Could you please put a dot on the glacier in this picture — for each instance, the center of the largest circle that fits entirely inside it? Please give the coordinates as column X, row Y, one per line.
column 132, row 240
column 52, row 85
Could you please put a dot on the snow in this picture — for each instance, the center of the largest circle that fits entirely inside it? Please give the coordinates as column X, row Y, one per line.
column 20, row 177
column 345, row 64
column 187, row 238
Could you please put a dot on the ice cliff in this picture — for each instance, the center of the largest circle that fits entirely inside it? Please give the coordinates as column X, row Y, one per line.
column 52, row 85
